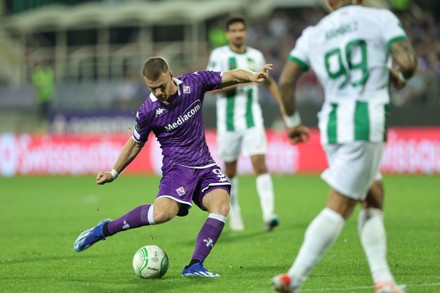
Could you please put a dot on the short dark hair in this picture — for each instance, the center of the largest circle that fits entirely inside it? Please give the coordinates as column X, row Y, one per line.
column 154, row 67
column 235, row 19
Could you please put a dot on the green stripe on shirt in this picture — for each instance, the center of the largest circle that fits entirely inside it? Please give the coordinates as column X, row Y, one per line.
column 361, row 121
column 230, row 102
column 230, row 96
column 331, row 125
column 249, row 114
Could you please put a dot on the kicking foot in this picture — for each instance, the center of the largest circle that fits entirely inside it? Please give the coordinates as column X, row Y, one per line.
column 90, row 237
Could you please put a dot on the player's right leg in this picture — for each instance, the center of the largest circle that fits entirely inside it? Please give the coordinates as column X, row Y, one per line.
column 173, row 198
column 235, row 219
column 163, row 210
column 90, row 236
column 372, row 234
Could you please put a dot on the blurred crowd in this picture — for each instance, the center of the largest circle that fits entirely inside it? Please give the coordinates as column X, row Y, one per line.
column 424, row 33
column 276, row 36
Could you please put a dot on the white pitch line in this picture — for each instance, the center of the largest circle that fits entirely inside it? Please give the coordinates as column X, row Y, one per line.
column 408, row 286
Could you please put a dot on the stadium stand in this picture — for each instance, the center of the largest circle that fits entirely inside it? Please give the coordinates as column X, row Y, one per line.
column 96, row 48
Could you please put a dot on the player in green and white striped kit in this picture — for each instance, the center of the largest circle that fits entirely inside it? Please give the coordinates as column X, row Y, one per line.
column 349, row 50
column 240, row 122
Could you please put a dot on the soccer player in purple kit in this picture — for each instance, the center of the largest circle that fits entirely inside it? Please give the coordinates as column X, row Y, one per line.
column 173, row 112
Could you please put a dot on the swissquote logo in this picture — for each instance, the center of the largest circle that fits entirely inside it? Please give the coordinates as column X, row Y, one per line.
column 193, row 109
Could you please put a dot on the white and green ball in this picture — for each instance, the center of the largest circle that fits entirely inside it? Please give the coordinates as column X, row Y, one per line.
column 150, row 261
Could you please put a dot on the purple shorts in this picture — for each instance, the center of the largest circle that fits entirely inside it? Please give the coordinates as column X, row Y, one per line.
column 186, row 185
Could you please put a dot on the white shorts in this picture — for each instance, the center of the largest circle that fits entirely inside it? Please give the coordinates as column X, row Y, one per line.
column 353, row 167
column 250, row 142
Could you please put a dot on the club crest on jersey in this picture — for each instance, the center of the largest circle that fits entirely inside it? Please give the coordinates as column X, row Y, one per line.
column 181, row 191
column 159, row 111
column 252, row 65
column 186, row 89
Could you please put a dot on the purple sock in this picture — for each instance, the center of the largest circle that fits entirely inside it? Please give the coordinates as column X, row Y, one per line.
column 137, row 217
column 207, row 237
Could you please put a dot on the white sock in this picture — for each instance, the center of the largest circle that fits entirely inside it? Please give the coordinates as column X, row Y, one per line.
column 373, row 238
column 319, row 237
column 265, row 192
column 235, row 206
column 150, row 215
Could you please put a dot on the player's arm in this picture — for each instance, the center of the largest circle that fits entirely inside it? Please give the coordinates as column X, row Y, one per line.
column 225, row 90
column 270, row 83
column 287, row 86
column 237, row 76
column 403, row 54
column 272, row 87
column 292, row 71
column 215, row 61
column 130, row 150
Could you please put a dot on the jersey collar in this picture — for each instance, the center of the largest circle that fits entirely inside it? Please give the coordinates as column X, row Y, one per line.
column 236, row 52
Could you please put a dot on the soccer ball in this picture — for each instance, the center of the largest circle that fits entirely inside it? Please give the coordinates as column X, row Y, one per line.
column 150, row 261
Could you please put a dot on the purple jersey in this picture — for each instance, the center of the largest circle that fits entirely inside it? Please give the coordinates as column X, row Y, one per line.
column 178, row 122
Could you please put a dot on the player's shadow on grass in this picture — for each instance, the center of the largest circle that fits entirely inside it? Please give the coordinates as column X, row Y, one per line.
column 166, row 284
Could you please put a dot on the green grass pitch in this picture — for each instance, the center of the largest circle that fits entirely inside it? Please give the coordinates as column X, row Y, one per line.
column 40, row 217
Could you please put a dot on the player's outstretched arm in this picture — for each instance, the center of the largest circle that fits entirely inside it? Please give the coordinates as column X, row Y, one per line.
column 236, row 76
column 130, row 150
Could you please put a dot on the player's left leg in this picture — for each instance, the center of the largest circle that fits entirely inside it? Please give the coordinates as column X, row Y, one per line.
column 216, row 202
column 265, row 191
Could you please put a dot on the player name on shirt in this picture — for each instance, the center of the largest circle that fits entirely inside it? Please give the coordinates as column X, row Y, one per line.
column 342, row 30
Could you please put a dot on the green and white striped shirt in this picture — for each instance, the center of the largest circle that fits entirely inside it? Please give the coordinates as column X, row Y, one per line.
column 239, row 109
column 349, row 52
